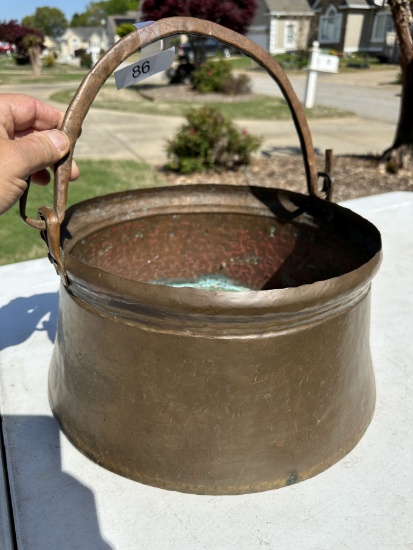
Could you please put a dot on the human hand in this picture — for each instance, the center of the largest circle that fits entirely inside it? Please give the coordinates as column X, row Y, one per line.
column 29, row 143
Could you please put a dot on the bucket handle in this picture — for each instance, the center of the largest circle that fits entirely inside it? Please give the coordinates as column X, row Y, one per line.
column 164, row 28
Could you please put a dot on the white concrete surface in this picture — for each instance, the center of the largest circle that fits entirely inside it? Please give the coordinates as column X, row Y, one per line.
column 62, row 501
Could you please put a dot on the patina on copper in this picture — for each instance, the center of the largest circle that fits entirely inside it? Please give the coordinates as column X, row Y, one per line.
column 210, row 391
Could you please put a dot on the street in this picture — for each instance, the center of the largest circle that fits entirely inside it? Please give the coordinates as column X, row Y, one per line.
column 109, row 134
column 369, row 95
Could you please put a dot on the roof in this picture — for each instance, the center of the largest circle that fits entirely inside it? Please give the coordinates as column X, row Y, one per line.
column 359, row 4
column 301, row 7
column 347, row 4
column 129, row 17
column 261, row 15
column 86, row 32
column 114, row 21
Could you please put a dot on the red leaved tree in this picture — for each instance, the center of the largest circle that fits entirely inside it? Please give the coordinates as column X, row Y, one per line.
column 28, row 42
column 233, row 14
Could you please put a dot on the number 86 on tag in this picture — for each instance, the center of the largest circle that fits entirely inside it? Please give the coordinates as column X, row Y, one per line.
column 138, row 70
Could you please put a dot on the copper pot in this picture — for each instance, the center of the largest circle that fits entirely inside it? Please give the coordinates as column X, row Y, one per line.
column 210, row 391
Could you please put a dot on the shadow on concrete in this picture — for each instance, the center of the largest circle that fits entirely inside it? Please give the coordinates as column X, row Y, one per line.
column 275, row 151
column 34, row 313
column 51, row 509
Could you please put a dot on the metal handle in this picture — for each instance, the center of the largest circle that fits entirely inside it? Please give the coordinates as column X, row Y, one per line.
column 164, row 28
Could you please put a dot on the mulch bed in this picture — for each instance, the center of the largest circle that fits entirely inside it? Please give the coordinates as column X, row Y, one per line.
column 354, row 176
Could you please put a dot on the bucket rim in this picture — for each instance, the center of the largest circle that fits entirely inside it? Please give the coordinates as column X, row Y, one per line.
column 86, row 281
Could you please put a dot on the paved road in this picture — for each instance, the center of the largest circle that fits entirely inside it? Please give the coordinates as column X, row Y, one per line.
column 108, row 134
column 370, row 96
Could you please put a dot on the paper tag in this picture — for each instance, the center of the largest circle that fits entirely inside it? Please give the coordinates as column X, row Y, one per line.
column 132, row 74
column 152, row 49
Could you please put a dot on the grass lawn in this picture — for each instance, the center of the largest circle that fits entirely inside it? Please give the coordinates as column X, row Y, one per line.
column 260, row 108
column 19, row 242
column 22, row 74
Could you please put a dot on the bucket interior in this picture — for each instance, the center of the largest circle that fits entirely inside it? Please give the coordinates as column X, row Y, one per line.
column 227, row 251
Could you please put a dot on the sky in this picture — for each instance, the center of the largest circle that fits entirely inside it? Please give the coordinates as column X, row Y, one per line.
column 17, row 9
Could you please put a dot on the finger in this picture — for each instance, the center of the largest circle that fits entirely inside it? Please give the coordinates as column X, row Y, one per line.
column 75, row 171
column 19, row 112
column 41, row 177
column 32, row 153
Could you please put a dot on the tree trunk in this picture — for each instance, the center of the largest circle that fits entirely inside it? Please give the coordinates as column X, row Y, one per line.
column 34, row 56
column 400, row 154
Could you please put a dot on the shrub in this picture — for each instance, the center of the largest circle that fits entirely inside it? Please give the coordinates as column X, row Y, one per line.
column 86, row 61
column 392, row 167
column 49, row 61
column 124, row 29
column 216, row 76
column 210, row 141
column 399, row 78
column 237, row 85
column 292, row 60
column 211, row 76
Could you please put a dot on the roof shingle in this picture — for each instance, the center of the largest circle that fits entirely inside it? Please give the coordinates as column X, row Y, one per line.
column 288, row 6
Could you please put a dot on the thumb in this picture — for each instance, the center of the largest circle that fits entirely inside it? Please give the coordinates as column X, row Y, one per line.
column 36, row 151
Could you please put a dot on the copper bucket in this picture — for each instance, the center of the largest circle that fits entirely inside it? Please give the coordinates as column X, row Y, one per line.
column 210, row 391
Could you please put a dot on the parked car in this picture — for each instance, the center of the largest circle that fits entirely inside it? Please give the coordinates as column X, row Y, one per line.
column 5, row 47
column 208, row 47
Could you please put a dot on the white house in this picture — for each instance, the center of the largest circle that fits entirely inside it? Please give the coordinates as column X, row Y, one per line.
column 92, row 39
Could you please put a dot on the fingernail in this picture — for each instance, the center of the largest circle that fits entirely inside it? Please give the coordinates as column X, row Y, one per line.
column 59, row 139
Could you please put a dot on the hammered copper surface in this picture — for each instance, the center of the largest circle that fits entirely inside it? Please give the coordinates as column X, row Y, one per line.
column 215, row 392
column 255, row 251
column 206, row 391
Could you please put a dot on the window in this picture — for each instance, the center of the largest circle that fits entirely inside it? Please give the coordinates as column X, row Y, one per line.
column 290, row 35
column 75, row 44
column 383, row 23
column 330, row 26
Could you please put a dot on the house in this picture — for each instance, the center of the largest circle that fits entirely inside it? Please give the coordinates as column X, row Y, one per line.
column 115, row 21
column 92, row 39
column 352, row 25
column 282, row 25
column 50, row 47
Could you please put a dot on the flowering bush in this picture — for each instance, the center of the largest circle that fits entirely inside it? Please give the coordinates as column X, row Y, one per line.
column 211, row 76
column 210, row 141
column 216, row 76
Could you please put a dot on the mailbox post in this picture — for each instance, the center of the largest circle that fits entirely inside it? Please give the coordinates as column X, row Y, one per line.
column 318, row 63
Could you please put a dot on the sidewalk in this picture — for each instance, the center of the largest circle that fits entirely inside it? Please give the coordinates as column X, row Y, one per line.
column 109, row 134
column 117, row 135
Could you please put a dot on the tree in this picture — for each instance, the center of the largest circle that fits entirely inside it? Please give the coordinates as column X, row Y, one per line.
column 50, row 21
column 96, row 11
column 233, row 14
column 28, row 42
column 80, row 20
column 125, row 29
column 119, row 7
column 400, row 154
column 92, row 17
